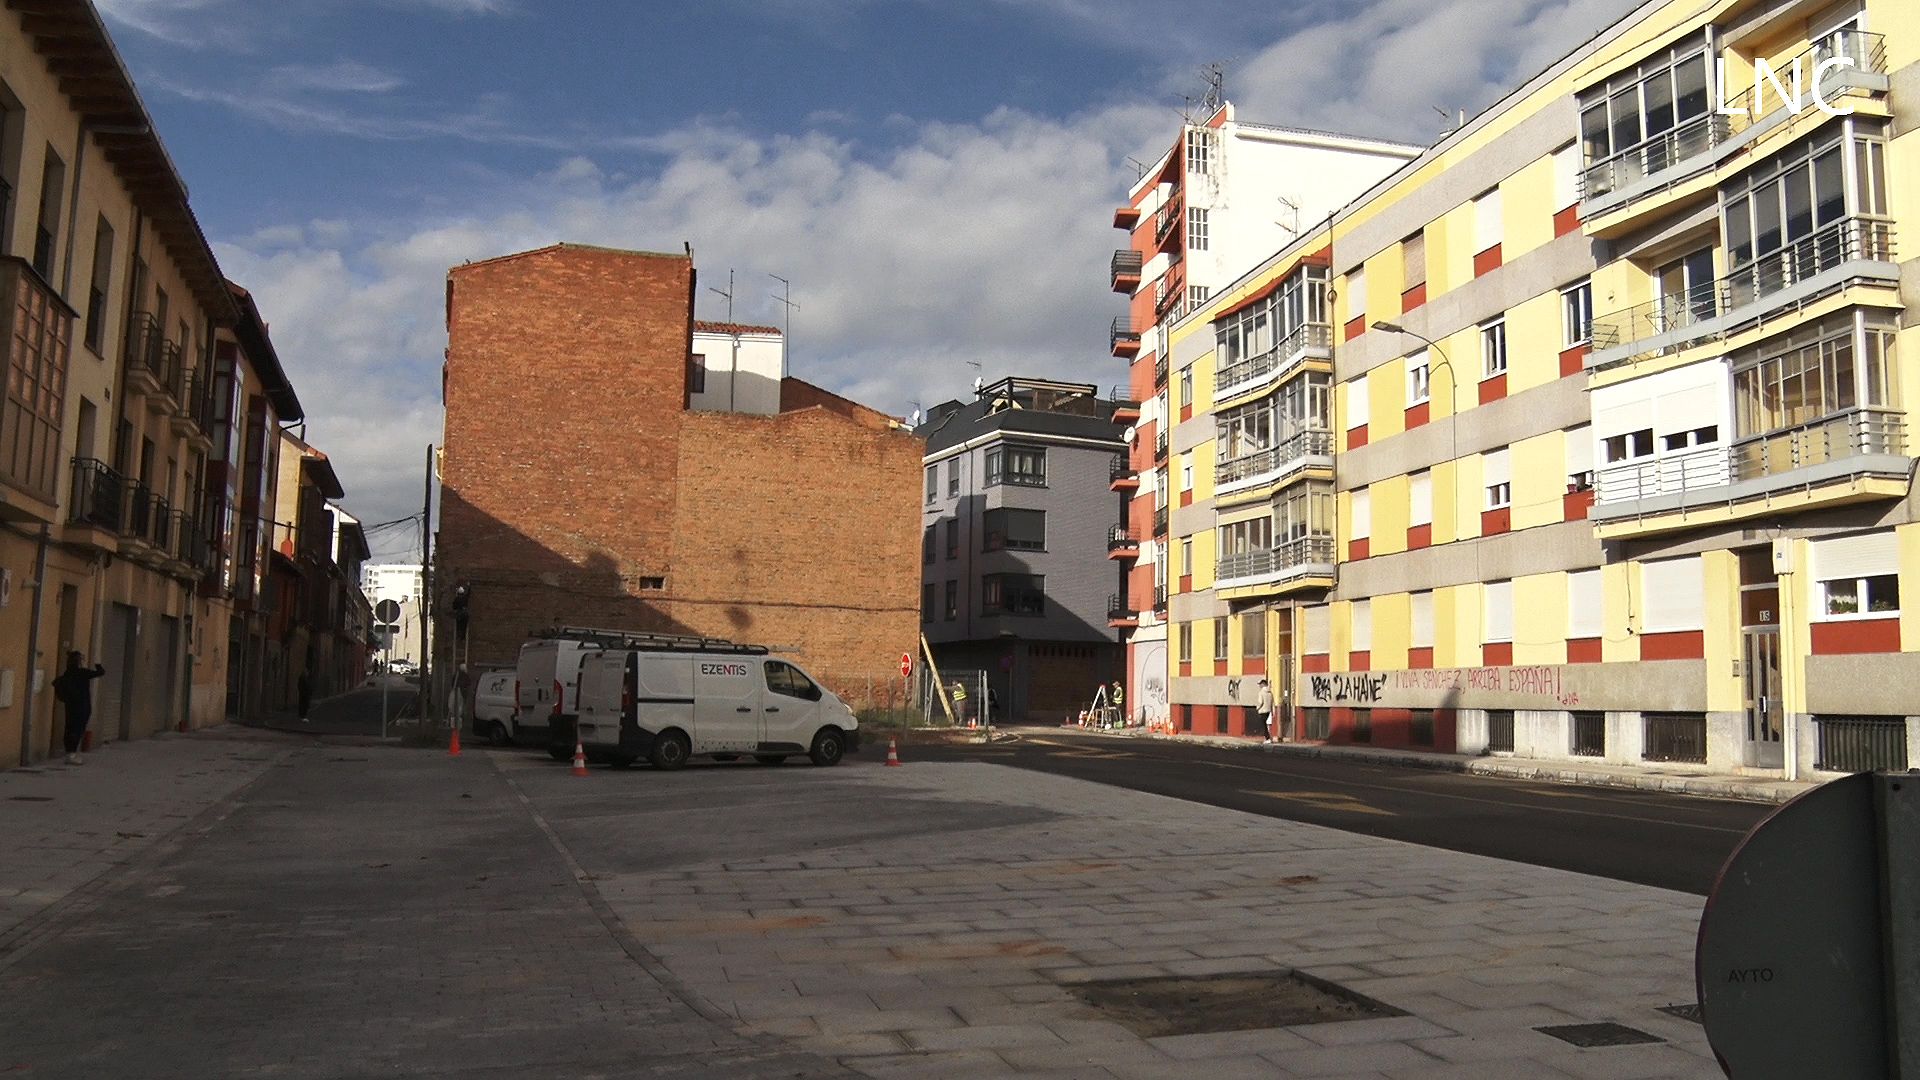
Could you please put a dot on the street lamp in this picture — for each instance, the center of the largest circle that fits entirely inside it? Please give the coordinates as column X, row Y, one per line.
column 1453, row 409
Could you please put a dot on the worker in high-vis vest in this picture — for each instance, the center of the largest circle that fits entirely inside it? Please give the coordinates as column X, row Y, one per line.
column 1119, row 701
column 960, row 702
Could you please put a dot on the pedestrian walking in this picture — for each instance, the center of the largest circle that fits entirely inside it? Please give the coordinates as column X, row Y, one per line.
column 304, row 687
column 1264, row 707
column 74, row 690
column 993, row 705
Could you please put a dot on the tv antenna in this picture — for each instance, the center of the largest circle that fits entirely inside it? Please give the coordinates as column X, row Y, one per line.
column 1215, row 75
column 786, row 334
column 1294, row 229
column 728, row 294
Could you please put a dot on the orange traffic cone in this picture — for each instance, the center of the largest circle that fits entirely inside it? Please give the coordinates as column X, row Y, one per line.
column 893, row 751
column 453, row 745
column 579, row 759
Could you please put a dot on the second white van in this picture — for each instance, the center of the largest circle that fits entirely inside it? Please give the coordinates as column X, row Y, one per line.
column 671, row 705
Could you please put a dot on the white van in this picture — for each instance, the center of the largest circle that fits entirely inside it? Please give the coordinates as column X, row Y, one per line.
column 667, row 705
column 493, row 706
column 547, row 681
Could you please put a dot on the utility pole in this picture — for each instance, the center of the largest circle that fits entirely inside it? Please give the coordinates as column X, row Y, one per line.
column 426, row 592
column 786, row 334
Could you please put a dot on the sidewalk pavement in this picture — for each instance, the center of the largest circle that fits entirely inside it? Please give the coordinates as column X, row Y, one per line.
column 1673, row 779
column 70, row 827
column 936, row 920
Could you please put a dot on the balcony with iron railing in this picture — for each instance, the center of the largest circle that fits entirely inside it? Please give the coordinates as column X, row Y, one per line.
column 1291, row 455
column 1123, row 337
column 1120, row 612
column 1307, row 556
column 1121, row 475
column 1854, row 250
column 1167, row 219
column 99, row 496
column 36, row 337
column 1160, row 371
column 147, row 355
column 193, row 413
column 1124, row 270
column 136, row 523
column 1159, row 521
column 1667, row 158
column 1837, row 450
column 1160, row 445
column 1309, row 340
column 1160, row 597
column 1123, row 543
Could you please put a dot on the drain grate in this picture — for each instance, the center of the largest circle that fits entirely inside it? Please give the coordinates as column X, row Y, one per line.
column 1199, row 1005
column 1603, row 1034
column 29, row 798
column 1684, row 1012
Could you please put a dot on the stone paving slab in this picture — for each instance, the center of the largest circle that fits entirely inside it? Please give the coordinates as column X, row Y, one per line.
column 995, row 882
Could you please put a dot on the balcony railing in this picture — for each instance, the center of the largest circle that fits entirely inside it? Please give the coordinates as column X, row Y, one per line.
column 1119, row 469
column 1850, row 434
column 1168, row 218
column 1283, row 560
column 1691, row 141
column 1276, row 460
column 1160, row 597
column 1674, row 474
column 1675, row 738
column 1803, row 270
column 1159, row 521
column 1159, row 371
column 1245, row 374
column 1861, row 743
column 159, row 524
column 1121, row 538
column 99, row 495
column 1126, row 264
column 1160, row 444
column 1123, row 334
column 137, row 522
column 148, row 355
column 1118, row 608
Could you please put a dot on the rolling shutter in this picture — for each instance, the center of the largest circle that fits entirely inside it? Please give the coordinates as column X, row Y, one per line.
column 1586, row 604
column 1318, row 635
column 1861, row 555
column 1497, row 625
column 1422, row 620
column 1362, row 514
column 1673, row 595
column 1420, row 498
column 1360, row 614
column 1357, row 404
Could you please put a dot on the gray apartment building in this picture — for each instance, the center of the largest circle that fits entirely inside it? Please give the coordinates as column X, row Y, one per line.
column 1015, row 576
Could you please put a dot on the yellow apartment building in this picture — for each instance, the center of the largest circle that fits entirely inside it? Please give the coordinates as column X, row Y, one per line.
column 1619, row 467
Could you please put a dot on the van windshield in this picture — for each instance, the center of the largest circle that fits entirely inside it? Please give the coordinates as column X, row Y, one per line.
column 784, row 678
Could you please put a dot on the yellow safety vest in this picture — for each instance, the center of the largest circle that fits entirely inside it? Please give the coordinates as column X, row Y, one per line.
column 959, row 693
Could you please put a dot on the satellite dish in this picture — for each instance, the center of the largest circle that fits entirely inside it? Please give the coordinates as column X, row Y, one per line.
column 1132, row 433
column 978, row 382
column 914, row 419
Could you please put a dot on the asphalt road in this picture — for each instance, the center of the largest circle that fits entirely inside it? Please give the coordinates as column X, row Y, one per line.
column 1670, row 841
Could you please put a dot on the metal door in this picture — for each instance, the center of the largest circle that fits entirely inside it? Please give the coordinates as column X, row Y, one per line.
column 1760, row 670
column 115, row 689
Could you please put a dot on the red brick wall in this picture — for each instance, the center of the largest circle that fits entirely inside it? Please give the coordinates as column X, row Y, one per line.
column 572, row 471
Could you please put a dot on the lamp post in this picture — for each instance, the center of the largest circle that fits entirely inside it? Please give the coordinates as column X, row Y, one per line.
column 1453, row 408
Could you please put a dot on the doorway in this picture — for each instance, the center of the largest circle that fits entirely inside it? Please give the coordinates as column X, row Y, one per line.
column 1765, row 720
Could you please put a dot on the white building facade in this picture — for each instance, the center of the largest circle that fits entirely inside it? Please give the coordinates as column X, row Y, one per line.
column 401, row 583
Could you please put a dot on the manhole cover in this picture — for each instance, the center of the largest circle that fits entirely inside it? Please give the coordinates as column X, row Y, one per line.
column 29, row 798
column 1684, row 1012
column 1603, row 1034
column 1178, row 1005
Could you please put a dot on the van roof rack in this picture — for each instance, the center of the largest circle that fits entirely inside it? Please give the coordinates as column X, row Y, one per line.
column 652, row 642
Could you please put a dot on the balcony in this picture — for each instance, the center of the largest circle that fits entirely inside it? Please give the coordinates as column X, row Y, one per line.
column 1123, row 337
column 1120, row 613
column 1159, row 521
column 1160, row 597
column 1853, row 456
column 1160, row 445
column 1166, row 220
column 1308, row 341
column 152, row 363
column 1159, row 371
column 1669, row 158
column 36, row 338
column 1124, row 270
column 99, row 496
column 1126, row 408
column 1120, row 475
column 1126, row 217
column 1308, row 556
column 1123, row 543
column 1851, row 251
column 193, row 413
column 1291, row 455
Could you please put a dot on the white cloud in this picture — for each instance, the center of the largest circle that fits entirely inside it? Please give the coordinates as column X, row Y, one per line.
column 242, row 25
column 341, row 76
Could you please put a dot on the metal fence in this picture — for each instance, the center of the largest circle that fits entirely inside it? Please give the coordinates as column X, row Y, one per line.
column 1500, row 731
column 1589, row 734
column 1675, row 738
column 1861, row 743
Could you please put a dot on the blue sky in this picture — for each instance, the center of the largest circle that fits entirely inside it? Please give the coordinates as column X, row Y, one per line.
column 936, row 178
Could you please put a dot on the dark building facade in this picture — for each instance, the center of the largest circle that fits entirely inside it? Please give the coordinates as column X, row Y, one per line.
column 1016, row 532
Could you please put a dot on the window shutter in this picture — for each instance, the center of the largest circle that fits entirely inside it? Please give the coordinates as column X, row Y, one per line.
column 1566, row 169
column 1494, row 468
column 1486, row 221
column 1360, row 618
column 1318, row 632
column 1413, row 253
column 1357, row 292
column 1673, row 595
column 1497, row 626
column 1422, row 621
column 1579, row 449
column 1362, row 514
column 1358, row 406
column 1861, row 555
column 1420, row 496
column 1586, row 604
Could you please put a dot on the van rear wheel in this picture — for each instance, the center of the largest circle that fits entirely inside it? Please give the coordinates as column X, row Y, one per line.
column 671, row 749
column 829, row 746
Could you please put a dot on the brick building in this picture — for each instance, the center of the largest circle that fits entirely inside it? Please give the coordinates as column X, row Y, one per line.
column 580, row 486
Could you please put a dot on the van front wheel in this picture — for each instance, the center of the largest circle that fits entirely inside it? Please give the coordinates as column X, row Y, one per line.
column 671, row 749
column 829, row 746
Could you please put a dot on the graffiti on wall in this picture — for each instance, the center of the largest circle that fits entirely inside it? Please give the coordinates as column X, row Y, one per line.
column 1536, row 681
column 1356, row 688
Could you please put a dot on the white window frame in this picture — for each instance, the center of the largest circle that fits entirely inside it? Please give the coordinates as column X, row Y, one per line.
column 1186, row 557
column 1419, row 378
column 1186, row 472
column 1356, row 292
column 1576, row 314
column 1420, row 498
column 1496, row 597
column 1201, row 145
column 1420, row 616
column 1488, row 229
column 1493, row 348
column 1197, row 237
column 1854, row 560
column 1586, row 604
column 1360, row 626
column 1360, row 511
column 1358, row 403
column 1496, row 475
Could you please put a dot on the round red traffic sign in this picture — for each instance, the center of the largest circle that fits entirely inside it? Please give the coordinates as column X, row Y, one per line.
column 906, row 664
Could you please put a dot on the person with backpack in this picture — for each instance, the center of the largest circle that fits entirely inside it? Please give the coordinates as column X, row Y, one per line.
column 73, row 689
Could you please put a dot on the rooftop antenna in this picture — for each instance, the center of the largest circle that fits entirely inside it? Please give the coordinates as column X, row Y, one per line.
column 1215, row 75
column 1294, row 229
column 1139, row 167
column 786, row 334
column 728, row 294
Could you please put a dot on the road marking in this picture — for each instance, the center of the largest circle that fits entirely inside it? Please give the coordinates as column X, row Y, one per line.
column 1460, row 798
column 1326, row 800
